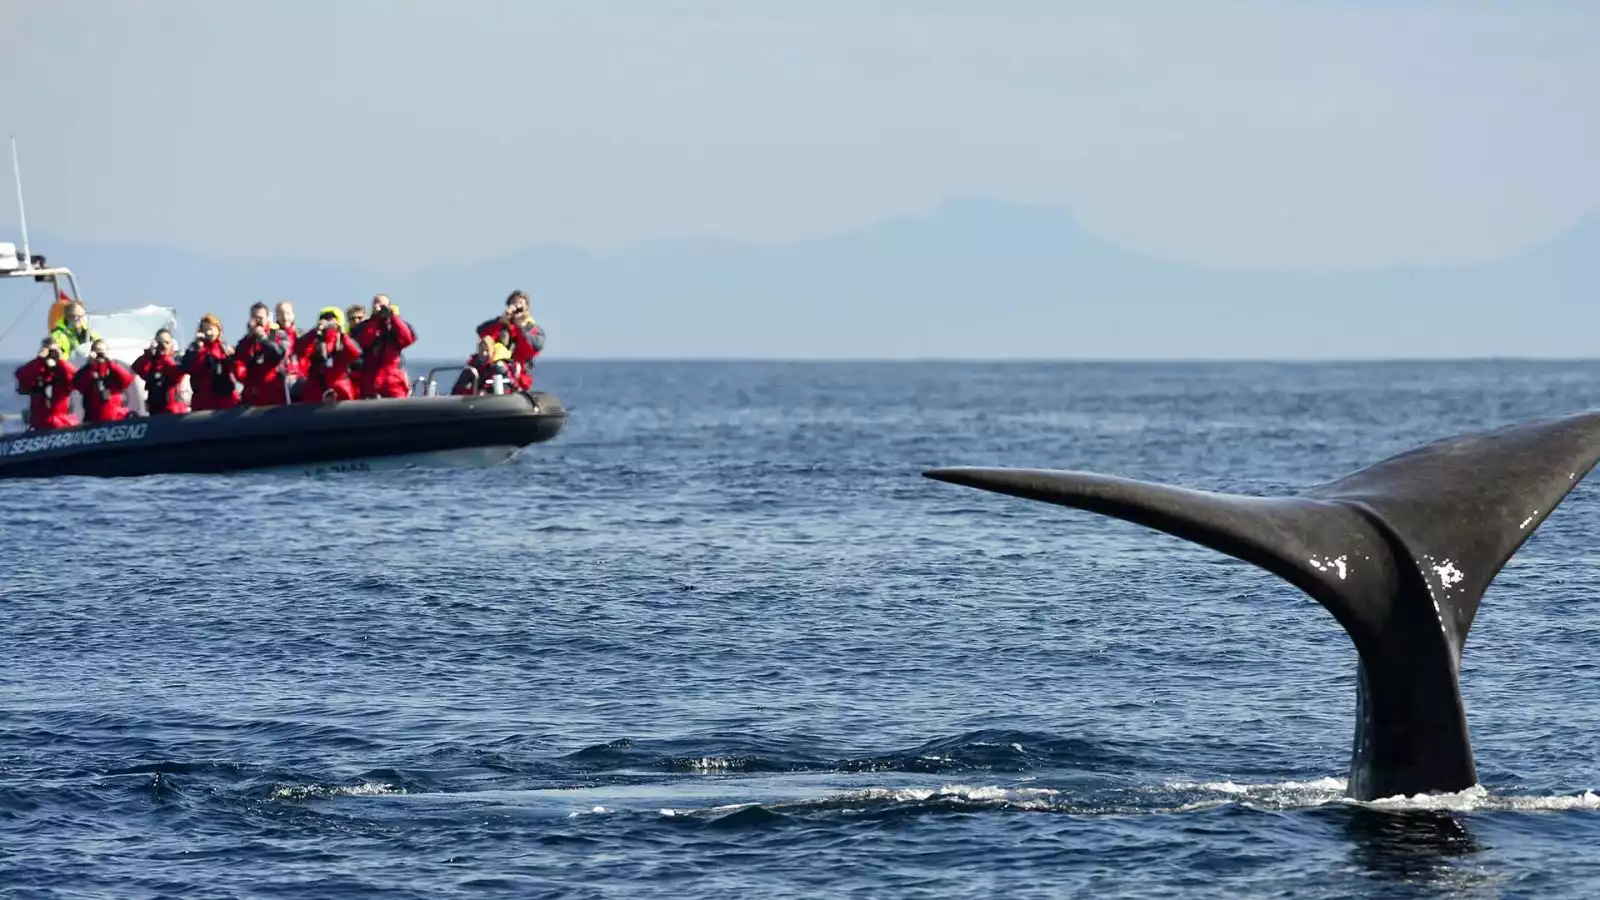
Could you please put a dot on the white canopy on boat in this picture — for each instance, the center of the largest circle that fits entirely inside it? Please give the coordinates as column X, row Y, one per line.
column 126, row 334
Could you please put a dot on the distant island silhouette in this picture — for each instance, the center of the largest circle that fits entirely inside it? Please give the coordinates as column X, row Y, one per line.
column 973, row 279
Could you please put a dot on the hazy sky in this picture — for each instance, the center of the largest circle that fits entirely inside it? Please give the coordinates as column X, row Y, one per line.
column 1303, row 134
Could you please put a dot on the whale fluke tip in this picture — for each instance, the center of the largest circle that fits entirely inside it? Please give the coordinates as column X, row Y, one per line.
column 991, row 479
column 946, row 473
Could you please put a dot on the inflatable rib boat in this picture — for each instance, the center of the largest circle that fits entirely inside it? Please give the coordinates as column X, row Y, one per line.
column 351, row 436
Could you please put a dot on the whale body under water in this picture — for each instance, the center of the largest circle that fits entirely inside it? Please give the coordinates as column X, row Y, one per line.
column 1400, row 553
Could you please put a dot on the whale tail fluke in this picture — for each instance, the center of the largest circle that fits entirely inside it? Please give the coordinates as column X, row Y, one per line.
column 1450, row 513
column 1328, row 550
column 1400, row 553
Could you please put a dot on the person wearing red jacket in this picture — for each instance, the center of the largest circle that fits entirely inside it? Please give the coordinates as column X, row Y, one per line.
column 354, row 315
column 103, row 383
column 382, row 338
column 162, row 375
column 46, row 380
column 211, row 368
column 516, row 330
column 292, row 370
column 327, row 353
column 486, row 371
column 260, row 354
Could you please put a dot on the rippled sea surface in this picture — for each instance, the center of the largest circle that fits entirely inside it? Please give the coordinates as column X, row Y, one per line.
column 721, row 639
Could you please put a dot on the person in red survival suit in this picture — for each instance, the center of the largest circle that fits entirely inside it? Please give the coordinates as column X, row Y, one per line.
column 162, row 375
column 292, row 370
column 485, row 371
column 327, row 353
column 103, row 382
column 354, row 315
column 382, row 338
column 212, row 370
column 46, row 380
column 516, row 330
column 260, row 354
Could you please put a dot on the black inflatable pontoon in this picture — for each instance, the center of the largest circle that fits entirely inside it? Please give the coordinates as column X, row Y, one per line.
column 356, row 435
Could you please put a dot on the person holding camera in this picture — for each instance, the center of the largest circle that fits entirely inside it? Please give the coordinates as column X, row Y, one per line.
column 46, row 380
column 354, row 315
column 327, row 353
column 383, row 338
column 163, row 377
column 283, row 313
column 488, row 371
column 516, row 330
column 103, row 383
column 73, row 330
column 212, row 369
column 260, row 355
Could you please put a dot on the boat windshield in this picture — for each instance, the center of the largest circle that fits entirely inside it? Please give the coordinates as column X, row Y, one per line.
column 128, row 332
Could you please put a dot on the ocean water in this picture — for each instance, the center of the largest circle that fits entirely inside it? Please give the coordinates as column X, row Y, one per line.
column 721, row 639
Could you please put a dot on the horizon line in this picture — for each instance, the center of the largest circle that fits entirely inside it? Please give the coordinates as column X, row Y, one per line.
column 1031, row 360
column 1057, row 360
column 1021, row 360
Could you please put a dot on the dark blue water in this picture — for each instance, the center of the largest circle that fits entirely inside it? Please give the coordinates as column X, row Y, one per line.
column 720, row 639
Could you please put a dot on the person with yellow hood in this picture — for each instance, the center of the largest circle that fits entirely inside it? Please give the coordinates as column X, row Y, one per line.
column 326, row 353
column 73, row 330
column 489, row 371
column 383, row 337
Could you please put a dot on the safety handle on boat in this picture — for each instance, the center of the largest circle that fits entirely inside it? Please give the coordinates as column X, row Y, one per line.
column 431, row 387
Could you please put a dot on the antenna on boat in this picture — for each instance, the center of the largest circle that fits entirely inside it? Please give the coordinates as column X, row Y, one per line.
column 22, row 215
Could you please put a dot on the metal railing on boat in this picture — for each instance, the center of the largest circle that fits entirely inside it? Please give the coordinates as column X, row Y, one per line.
column 426, row 386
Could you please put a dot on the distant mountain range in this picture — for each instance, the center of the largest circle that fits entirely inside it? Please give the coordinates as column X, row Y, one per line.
column 973, row 279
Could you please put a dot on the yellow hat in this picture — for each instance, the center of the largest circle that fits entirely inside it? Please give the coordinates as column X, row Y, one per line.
column 336, row 312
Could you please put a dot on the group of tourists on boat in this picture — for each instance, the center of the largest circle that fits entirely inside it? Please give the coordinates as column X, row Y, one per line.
column 351, row 354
